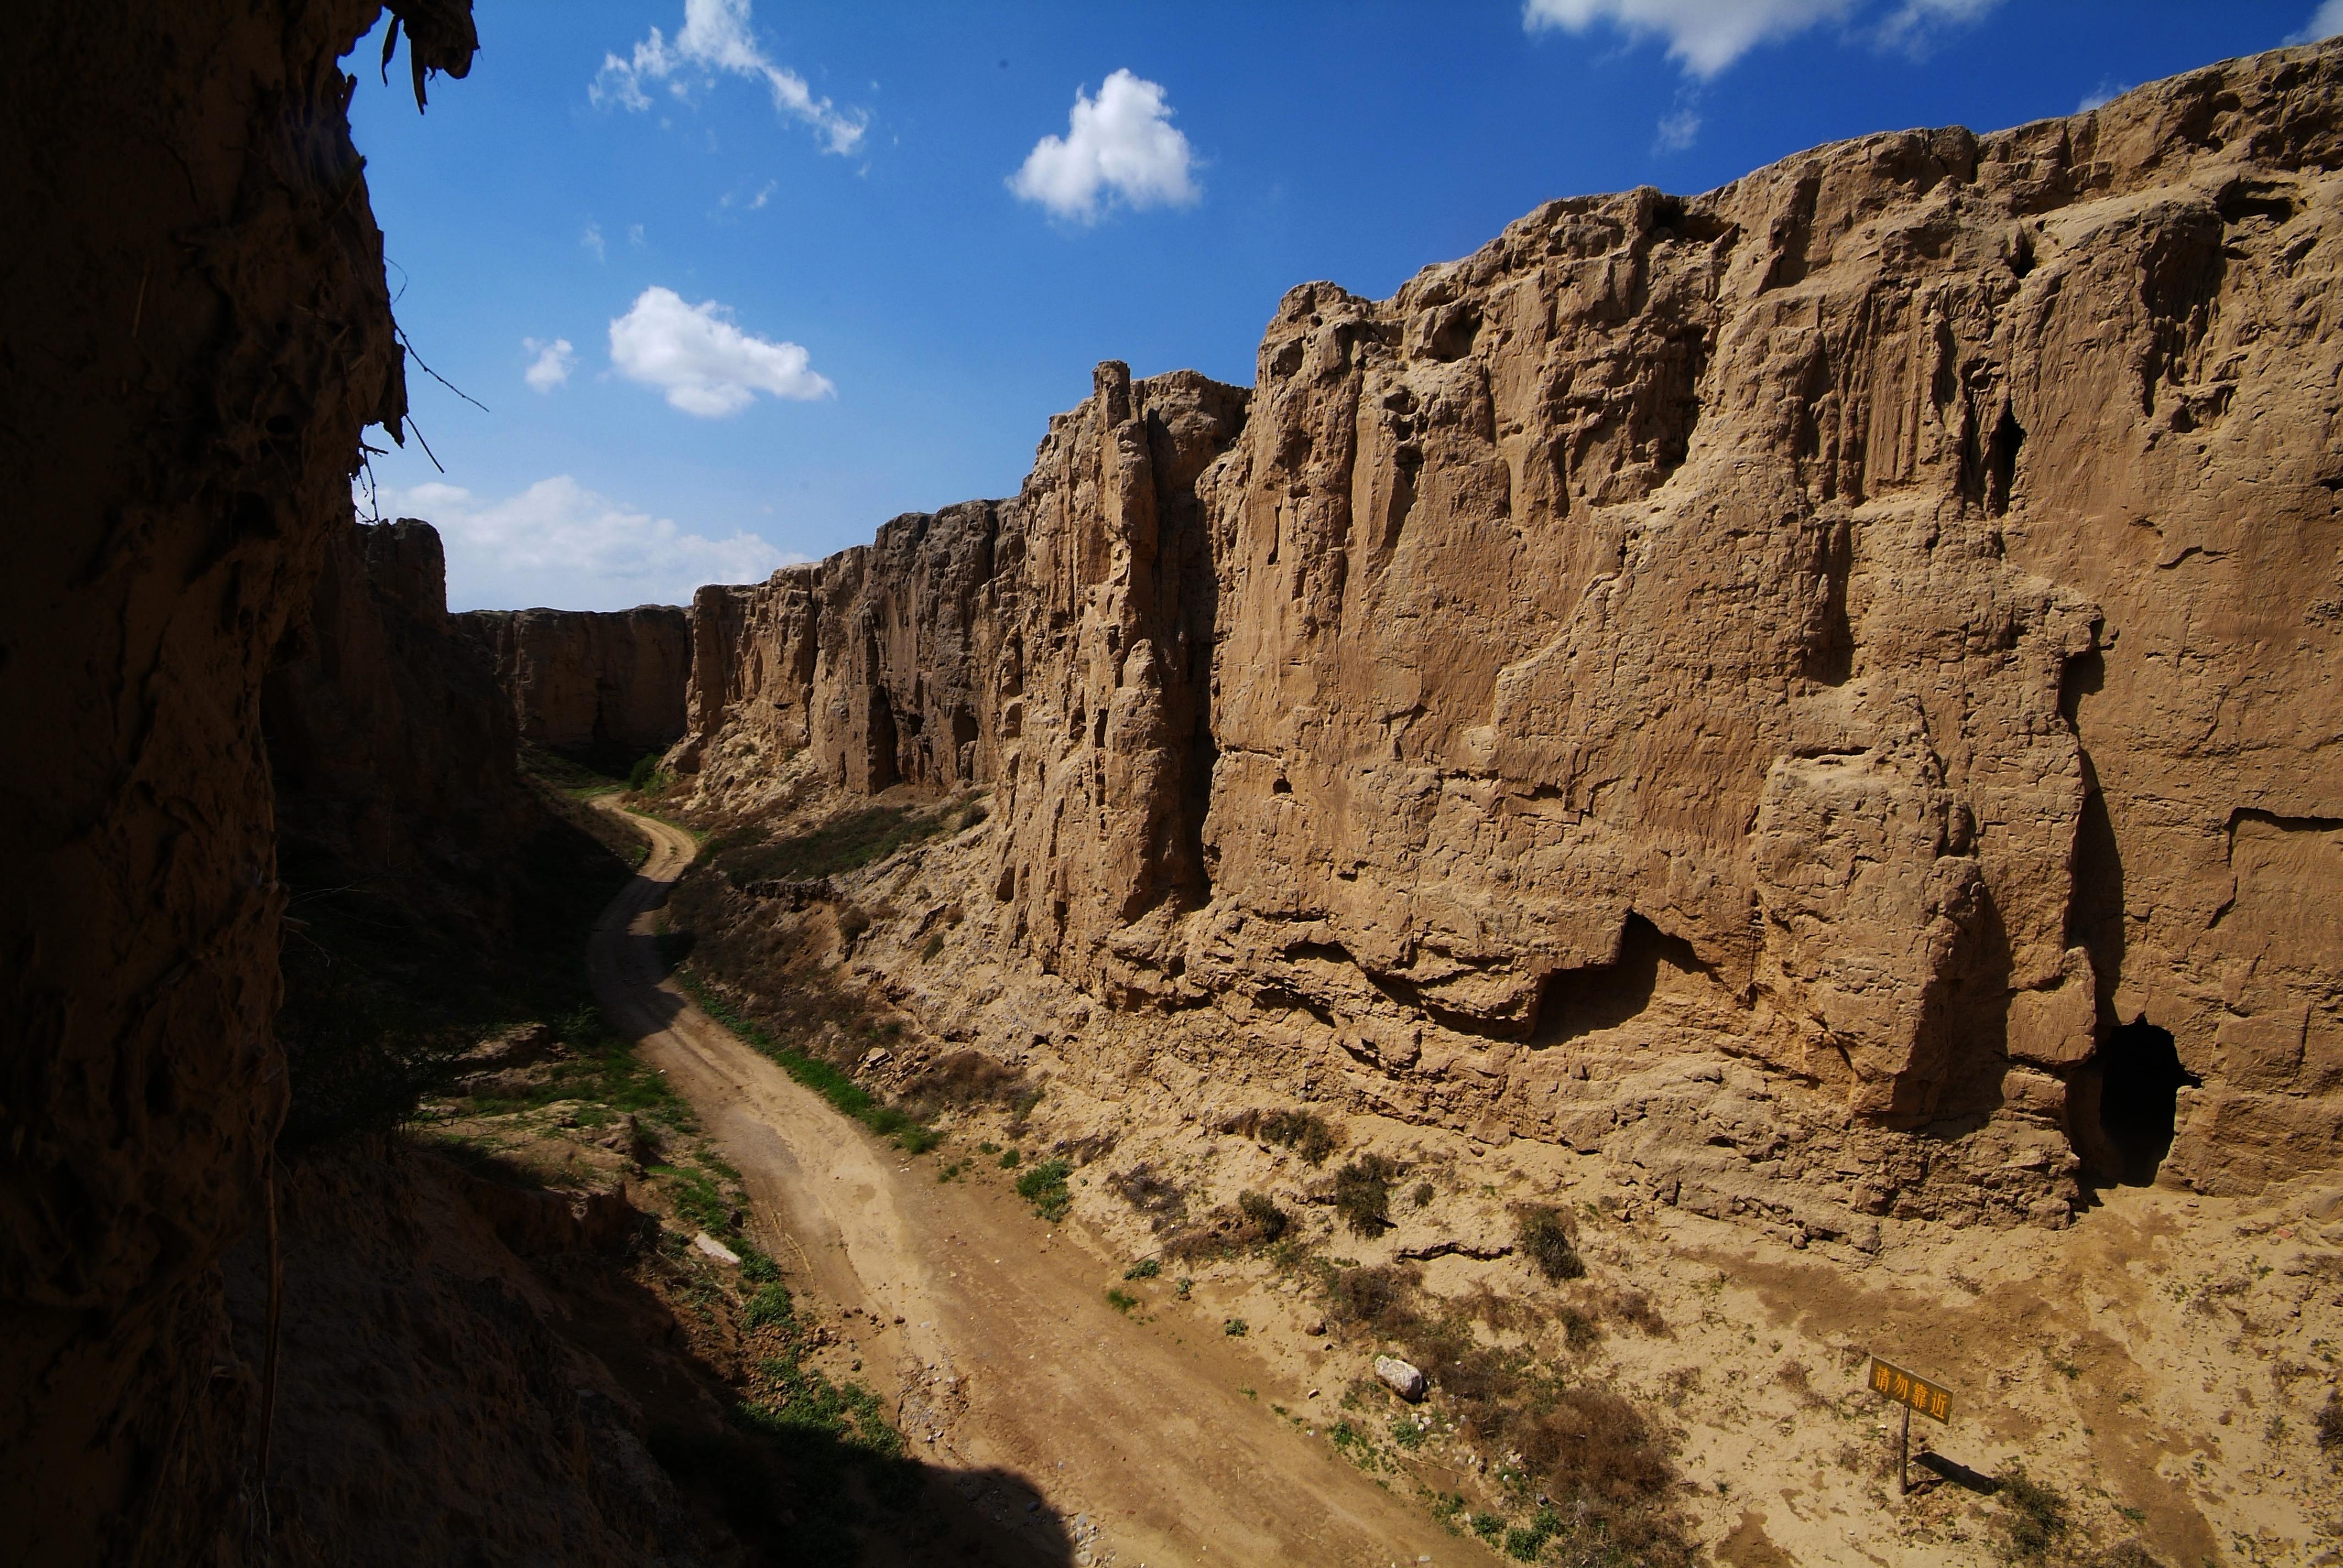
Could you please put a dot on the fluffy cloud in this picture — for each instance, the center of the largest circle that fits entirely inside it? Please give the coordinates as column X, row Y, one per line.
column 1706, row 36
column 705, row 365
column 2326, row 21
column 1118, row 146
column 716, row 37
column 557, row 543
column 552, row 365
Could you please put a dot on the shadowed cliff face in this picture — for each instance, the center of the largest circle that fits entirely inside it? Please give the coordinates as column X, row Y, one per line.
column 1873, row 618
column 391, row 753
column 606, row 684
column 196, row 329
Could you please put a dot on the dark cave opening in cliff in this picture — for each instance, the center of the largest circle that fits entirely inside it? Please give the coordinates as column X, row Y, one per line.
column 2141, row 1080
column 1578, row 1001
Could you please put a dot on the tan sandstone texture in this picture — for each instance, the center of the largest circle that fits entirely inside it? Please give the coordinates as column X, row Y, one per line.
column 195, row 330
column 1876, row 621
column 591, row 681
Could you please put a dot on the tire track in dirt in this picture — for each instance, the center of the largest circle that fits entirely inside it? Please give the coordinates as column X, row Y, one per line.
column 1007, row 1355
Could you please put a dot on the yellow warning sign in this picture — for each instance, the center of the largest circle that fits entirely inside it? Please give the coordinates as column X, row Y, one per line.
column 1932, row 1399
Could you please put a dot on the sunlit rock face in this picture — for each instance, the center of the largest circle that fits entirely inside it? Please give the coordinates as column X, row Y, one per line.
column 1877, row 620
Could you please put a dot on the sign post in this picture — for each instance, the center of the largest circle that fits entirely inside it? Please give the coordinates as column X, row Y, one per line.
column 1913, row 1392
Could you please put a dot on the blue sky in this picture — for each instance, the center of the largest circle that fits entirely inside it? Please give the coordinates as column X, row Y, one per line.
column 736, row 291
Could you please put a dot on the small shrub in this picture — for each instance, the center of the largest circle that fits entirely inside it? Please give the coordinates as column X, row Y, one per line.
column 1306, row 1132
column 1269, row 1221
column 1488, row 1527
column 1422, row 1194
column 1579, row 1331
column 932, row 946
column 1380, row 1298
column 1236, row 1328
column 2328, row 1426
column 1253, row 1222
column 1044, row 1187
column 1151, row 1193
column 1410, row 1433
column 1121, row 1300
column 1543, row 1234
column 1145, row 1268
column 1363, row 1194
column 644, row 773
column 2033, row 1516
column 1009, row 1159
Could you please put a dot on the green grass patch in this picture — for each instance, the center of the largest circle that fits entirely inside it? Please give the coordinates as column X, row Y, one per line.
column 1121, row 1300
column 1044, row 1187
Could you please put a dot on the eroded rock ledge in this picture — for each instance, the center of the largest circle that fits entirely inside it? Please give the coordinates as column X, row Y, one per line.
column 1858, row 644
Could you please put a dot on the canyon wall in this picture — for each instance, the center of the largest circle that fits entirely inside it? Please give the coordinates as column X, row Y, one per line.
column 1876, row 619
column 193, row 357
column 391, row 750
column 608, row 683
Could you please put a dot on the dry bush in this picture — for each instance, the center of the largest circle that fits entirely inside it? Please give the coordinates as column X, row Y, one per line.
column 1381, row 1297
column 1610, row 1474
column 1549, row 1241
column 2329, row 1424
column 1088, row 1148
column 1151, row 1193
column 1612, row 1478
column 960, row 1079
column 1633, row 1306
column 1362, row 1193
column 1306, row 1132
column 1503, row 1313
column 1254, row 1221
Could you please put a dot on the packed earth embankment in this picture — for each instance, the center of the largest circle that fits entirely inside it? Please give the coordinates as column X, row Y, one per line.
column 1136, row 1431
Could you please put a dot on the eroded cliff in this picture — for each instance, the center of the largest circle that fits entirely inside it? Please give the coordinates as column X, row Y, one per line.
column 192, row 356
column 1873, row 621
column 608, row 685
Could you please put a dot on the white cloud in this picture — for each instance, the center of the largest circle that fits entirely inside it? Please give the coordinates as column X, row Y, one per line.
column 559, row 543
column 1706, row 36
column 715, row 37
column 552, row 366
column 1677, row 130
column 705, row 365
column 2326, row 22
column 2106, row 93
column 592, row 239
column 1910, row 21
column 1118, row 145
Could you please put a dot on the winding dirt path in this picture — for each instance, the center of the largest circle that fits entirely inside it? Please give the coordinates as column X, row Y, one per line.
column 1136, row 1438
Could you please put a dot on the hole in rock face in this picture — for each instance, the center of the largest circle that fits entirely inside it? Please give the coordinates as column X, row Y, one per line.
column 1603, row 996
column 2139, row 1087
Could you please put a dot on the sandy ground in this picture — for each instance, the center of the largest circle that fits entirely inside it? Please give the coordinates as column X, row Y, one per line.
column 2159, row 1366
column 1135, row 1430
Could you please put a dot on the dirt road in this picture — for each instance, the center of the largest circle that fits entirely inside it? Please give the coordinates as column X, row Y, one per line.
column 1136, row 1435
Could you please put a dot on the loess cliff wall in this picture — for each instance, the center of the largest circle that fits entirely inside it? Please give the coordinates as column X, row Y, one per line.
column 191, row 361
column 1877, row 620
column 609, row 683
column 390, row 749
